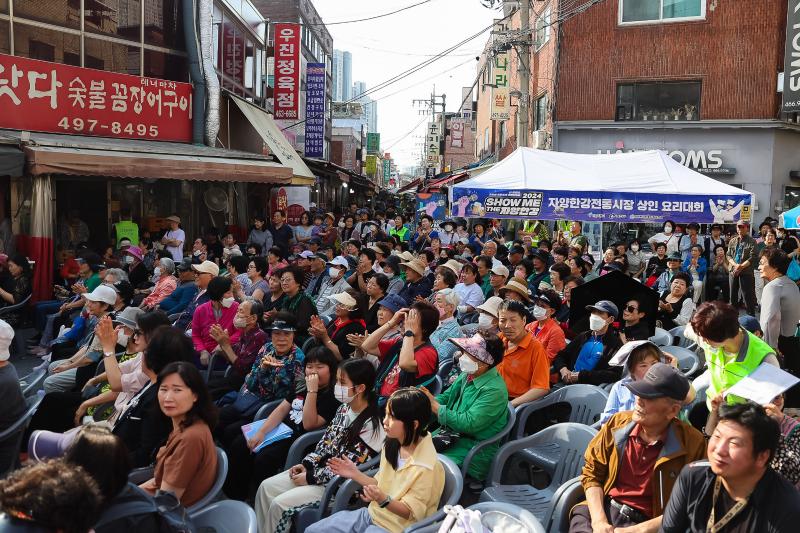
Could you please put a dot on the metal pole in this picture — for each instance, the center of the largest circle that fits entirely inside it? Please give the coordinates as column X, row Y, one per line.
column 524, row 72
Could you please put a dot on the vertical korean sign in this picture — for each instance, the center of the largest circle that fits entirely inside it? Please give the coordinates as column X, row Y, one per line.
column 457, row 133
column 373, row 143
column 315, row 110
column 387, row 170
column 287, row 70
column 500, row 98
column 791, row 68
column 42, row 96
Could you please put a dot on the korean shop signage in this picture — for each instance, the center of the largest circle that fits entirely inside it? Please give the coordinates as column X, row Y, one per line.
column 791, row 61
column 287, row 70
column 50, row 97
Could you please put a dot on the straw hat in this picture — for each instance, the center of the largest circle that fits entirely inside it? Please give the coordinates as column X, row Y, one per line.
column 416, row 265
column 518, row 287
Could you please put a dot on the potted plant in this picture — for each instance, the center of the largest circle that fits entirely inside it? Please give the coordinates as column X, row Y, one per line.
column 676, row 113
column 689, row 110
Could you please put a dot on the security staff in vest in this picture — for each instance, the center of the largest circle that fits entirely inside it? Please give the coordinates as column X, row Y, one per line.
column 732, row 352
column 126, row 229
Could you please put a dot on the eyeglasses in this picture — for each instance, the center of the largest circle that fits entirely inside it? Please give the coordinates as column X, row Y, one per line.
column 631, row 309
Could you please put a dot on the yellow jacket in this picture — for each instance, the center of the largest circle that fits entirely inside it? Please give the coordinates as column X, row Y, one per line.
column 418, row 484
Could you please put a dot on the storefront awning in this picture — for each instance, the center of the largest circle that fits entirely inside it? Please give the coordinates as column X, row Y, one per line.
column 413, row 185
column 269, row 131
column 446, row 181
column 129, row 164
column 12, row 161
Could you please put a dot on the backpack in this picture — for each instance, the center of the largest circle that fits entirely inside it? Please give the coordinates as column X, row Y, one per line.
column 134, row 502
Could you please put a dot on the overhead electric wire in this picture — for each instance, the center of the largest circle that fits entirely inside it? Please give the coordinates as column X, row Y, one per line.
column 369, row 18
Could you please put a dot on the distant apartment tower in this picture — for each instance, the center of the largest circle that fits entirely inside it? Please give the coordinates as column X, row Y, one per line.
column 342, row 75
column 370, row 107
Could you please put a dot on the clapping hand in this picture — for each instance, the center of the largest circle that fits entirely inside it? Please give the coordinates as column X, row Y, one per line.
column 317, row 328
column 342, row 466
column 106, row 333
column 269, row 361
column 355, row 340
column 219, row 334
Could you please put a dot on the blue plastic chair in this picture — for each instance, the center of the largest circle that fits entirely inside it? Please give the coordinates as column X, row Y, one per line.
column 226, row 516
column 568, row 496
column 501, row 437
column 265, row 410
column 688, row 361
column 16, row 431
column 571, row 440
column 32, row 382
column 587, row 402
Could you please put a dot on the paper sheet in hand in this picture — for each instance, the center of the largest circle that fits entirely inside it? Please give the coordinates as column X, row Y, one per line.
column 764, row 384
column 279, row 433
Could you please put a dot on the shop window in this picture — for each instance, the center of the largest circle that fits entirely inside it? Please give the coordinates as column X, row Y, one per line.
column 249, row 64
column 57, row 13
column 540, row 113
column 162, row 23
column 502, row 134
column 118, row 18
column 658, row 101
column 232, row 52
column 113, row 57
column 47, row 45
column 165, row 66
column 5, row 36
column 216, row 31
column 542, row 30
column 791, row 198
column 649, row 11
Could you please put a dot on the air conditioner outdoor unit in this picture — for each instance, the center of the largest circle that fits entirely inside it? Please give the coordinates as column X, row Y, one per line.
column 541, row 139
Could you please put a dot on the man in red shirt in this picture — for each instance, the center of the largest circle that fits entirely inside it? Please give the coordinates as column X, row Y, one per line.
column 633, row 463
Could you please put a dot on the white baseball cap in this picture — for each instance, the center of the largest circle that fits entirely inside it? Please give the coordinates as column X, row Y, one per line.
column 339, row 261
column 6, row 338
column 102, row 293
column 207, row 267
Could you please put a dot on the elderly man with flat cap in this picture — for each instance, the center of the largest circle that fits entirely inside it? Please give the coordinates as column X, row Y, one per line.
column 632, row 464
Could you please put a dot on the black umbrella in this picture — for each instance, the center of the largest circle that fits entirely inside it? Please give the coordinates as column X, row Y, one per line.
column 618, row 288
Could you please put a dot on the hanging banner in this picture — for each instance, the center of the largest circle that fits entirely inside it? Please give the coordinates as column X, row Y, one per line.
column 42, row 96
column 600, row 206
column 433, row 204
column 372, row 165
column 501, row 108
column 315, row 110
column 373, row 143
column 791, row 61
column 294, row 201
column 287, row 70
column 387, row 169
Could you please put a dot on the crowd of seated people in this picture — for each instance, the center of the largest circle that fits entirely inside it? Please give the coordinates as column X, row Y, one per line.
column 395, row 344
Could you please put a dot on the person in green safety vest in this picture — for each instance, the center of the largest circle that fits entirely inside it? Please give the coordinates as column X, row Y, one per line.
column 732, row 353
column 126, row 229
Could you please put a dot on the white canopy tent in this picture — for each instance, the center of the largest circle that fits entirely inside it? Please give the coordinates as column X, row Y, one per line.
column 646, row 186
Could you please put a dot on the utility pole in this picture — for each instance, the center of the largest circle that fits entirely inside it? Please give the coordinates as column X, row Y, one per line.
column 435, row 130
column 524, row 72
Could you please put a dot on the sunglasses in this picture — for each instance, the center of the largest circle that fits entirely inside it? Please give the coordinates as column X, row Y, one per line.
column 631, row 309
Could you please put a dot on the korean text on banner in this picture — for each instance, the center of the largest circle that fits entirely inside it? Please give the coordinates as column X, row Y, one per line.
column 287, row 70
column 599, row 206
column 501, row 108
column 373, row 143
column 50, row 97
column 372, row 165
column 791, row 69
column 315, row 110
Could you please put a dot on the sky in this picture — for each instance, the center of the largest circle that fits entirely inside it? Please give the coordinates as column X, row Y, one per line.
column 387, row 46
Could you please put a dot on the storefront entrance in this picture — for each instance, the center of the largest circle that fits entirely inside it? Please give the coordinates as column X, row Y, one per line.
column 88, row 198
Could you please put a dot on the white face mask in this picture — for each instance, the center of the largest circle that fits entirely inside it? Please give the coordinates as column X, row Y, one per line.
column 333, row 272
column 635, row 248
column 239, row 322
column 467, row 365
column 122, row 338
column 484, row 320
column 340, row 392
column 198, row 253
column 780, row 235
column 157, row 272
column 227, row 302
column 596, row 323
column 539, row 312
column 128, row 259
column 341, row 223
column 448, row 228
column 667, row 229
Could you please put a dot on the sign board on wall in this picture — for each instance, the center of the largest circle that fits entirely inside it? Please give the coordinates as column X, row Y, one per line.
column 315, row 110
column 501, row 102
column 292, row 200
column 433, row 204
column 347, row 110
column 287, row 70
column 42, row 96
column 387, row 169
column 373, row 143
column 709, row 162
column 372, row 165
column 791, row 61
column 457, row 133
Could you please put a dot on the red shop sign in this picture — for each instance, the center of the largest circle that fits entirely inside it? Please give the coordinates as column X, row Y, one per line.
column 42, row 96
column 287, row 70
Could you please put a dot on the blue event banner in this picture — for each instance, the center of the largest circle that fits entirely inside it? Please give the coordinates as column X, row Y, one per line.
column 600, row 206
column 315, row 110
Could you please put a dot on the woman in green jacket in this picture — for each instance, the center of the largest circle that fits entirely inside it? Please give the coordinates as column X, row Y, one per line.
column 476, row 404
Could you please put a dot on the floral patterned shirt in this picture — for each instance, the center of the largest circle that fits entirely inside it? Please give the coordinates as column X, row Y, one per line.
column 275, row 382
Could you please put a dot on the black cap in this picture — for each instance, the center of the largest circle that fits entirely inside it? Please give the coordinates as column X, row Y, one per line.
column 322, row 256
column 675, row 256
column 517, row 250
column 661, row 381
column 185, row 265
column 315, row 240
column 541, row 255
column 281, row 325
column 393, row 261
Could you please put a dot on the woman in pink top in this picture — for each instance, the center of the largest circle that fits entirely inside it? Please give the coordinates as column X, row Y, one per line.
column 164, row 286
column 275, row 260
column 219, row 309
